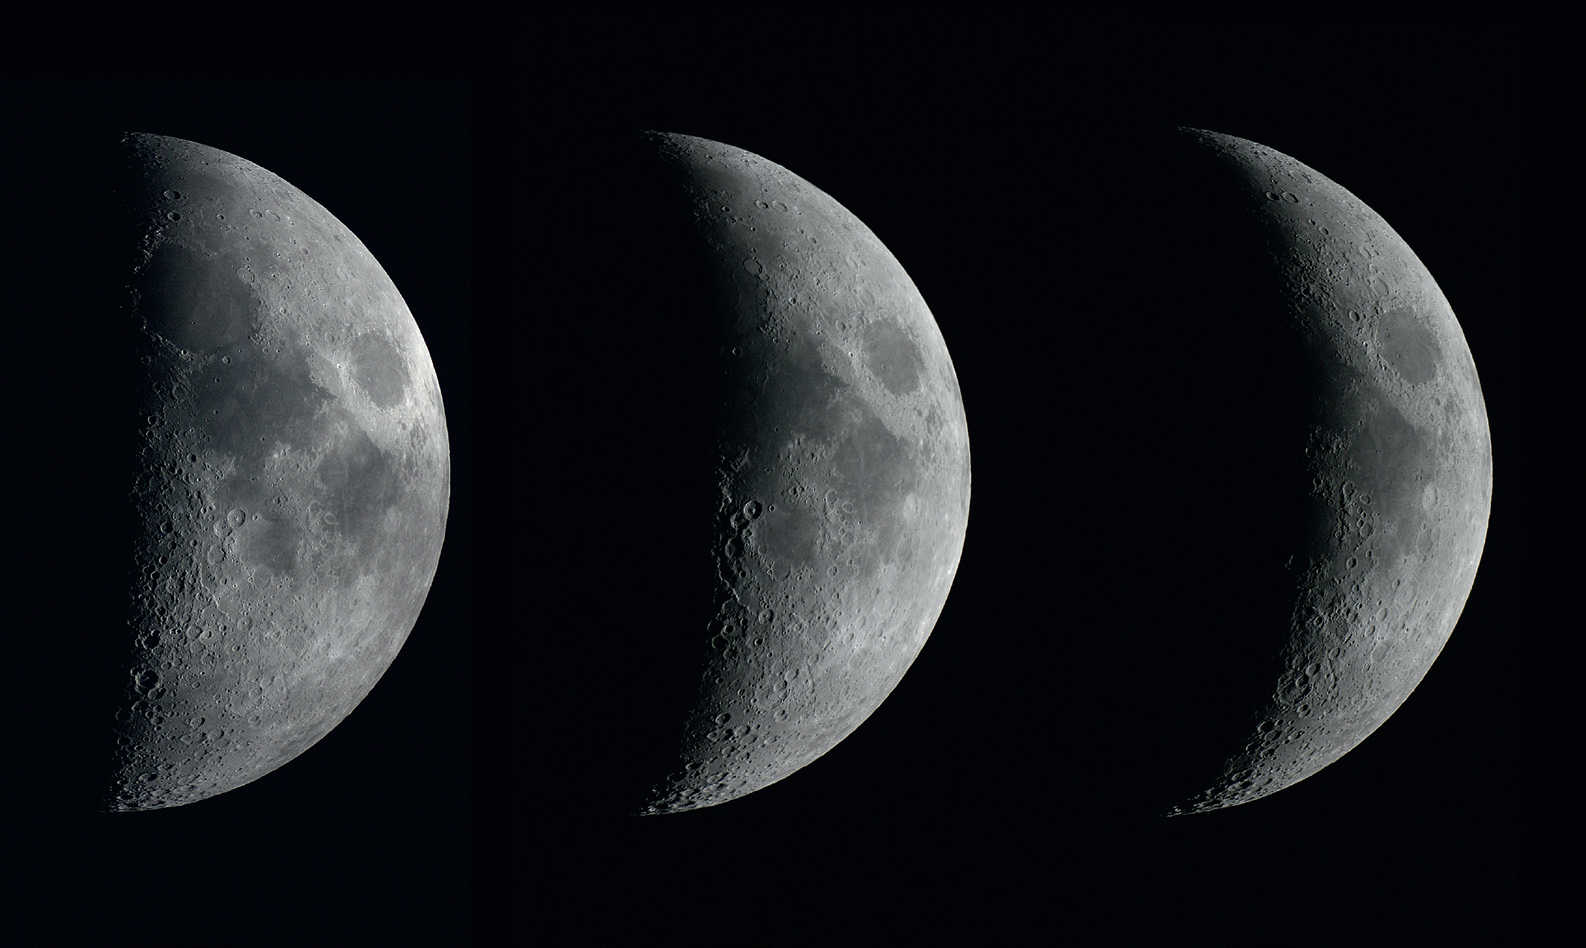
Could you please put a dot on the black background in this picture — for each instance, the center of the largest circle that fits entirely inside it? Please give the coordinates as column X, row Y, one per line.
column 929, row 824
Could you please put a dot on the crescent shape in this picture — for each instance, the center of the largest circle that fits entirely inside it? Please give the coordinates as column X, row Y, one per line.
column 841, row 475
column 1400, row 462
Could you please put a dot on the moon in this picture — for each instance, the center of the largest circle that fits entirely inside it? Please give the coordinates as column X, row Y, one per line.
column 291, row 478
column 1400, row 471
column 1269, row 479
column 792, row 435
column 842, row 472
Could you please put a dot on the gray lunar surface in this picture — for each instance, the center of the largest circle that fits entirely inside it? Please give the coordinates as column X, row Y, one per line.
column 1400, row 467
column 842, row 477
column 292, row 480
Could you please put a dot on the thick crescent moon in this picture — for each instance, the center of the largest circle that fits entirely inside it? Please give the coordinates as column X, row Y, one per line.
column 841, row 470
column 747, row 486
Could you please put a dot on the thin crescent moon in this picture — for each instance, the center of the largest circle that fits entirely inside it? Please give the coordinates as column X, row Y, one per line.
column 1400, row 459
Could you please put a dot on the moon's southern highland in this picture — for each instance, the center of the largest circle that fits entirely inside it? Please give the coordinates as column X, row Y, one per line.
column 291, row 482
column 787, row 498
column 1397, row 462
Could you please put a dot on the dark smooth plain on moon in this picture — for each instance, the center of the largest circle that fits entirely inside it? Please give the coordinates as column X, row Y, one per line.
column 292, row 478
column 786, row 500
column 1278, row 475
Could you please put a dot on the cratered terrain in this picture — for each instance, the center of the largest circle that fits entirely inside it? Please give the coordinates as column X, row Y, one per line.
column 755, row 488
column 290, row 481
column 1278, row 477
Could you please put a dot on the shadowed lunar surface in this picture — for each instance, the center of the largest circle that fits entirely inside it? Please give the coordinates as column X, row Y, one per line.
column 291, row 483
column 1282, row 453
column 791, row 449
